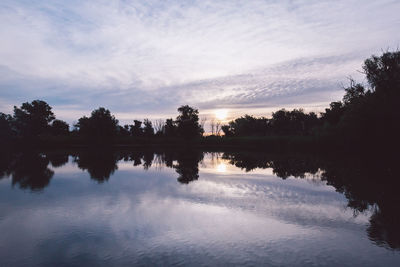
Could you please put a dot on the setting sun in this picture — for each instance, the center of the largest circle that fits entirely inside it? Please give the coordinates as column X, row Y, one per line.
column 221, row 114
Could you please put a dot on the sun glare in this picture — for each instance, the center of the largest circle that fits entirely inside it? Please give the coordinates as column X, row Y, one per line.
column 221, row 167
column 221, row 114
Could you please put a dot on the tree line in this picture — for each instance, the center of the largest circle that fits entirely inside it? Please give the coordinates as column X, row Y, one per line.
column 36, row 120
column 367, row 113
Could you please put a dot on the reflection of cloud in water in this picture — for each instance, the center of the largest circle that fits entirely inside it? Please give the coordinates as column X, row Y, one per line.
column 230, row 215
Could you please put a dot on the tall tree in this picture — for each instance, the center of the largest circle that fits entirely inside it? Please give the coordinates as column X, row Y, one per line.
column 188, row 122
column 59, row 127
column 148, row 129
column 170, row 128
column 6, row 131
column 32, row 119
column 100, row 126
column 136, row 129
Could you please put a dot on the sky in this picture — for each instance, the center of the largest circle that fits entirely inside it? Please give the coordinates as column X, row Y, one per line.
column 143, row 59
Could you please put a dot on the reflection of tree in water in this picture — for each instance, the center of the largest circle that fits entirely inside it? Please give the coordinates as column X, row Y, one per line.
column 6, row 159
column 188, row 166
column 136, row 157
column 384, row 229
column 247, row 161
column 282, row 165
column 186, row 161
column 370, row 184
column 286, row 167
column 100, row 164
column 57, row 159
column 367, row 183
column 28, row 170
column 148, row 157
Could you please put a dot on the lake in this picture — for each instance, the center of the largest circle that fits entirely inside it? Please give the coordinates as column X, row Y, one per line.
column 189, row 207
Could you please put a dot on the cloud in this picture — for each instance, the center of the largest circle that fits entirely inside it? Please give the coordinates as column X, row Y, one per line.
column 149, row 57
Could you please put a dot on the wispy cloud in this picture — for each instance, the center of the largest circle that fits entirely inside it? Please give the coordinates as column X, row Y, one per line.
column 149, row 57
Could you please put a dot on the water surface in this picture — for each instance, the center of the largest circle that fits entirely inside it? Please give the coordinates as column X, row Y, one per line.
column 194, row 208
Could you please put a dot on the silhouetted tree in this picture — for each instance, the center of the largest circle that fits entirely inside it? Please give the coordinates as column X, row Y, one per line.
column 294, row 122
column 100, row 126
column 59, row 127
column 6, row 132
column 354, row 92
column 170, row 128
column 227, row 130
column 124, row 130
column 334, row 113
column 136, row 129
column 159, row 126
column 369, row 117
column 383, row 73
column 188, row 123
column 32, row 119
column 246, row 126
column 148, row 129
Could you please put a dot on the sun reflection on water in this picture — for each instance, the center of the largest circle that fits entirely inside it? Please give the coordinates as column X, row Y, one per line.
column 221, row 167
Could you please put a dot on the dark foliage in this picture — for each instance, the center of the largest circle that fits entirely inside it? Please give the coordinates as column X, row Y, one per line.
column 59, row 127
column 148, row 130
column 99, row 127
column 283, row 122
column 187, row 122
column 32, row 119
column 6, row 131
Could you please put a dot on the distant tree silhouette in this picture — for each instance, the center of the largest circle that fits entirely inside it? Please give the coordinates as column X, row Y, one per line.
column 59, row 127
column 148, row 129
column 334, row 113
column 354, row 92
column 283, row 122
column 136, row 129
column 32, row 119
column 159, row 126
column 100, row 126
column 170, row 128
column 226, row 129
column 188, row 126
column 124, row 130
column 246, row 126
column 294, row 122
column 6, row 131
